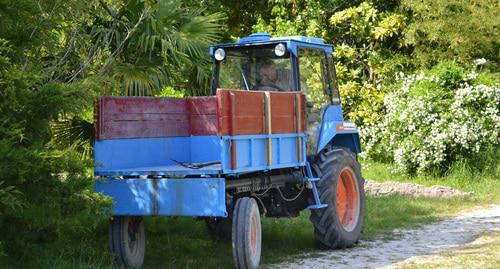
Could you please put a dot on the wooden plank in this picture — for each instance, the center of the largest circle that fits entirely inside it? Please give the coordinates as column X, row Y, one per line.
column 203, row 125
column 203, row 115
column 142, row 117
column 240, row 112
column 203, row 105
column 142, row 105
column 283, row 116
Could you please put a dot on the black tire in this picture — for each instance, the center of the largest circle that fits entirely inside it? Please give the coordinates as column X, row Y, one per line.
column 331, row 228
column 127, row 241
column 219, row 228
column 246, row 234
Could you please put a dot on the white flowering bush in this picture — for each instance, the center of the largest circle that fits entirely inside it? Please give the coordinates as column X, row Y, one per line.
column 435, row 119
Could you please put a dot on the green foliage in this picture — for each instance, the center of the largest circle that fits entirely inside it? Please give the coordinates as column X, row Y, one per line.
column 46, row 193
column 170, row 92
column 367, row 34
column 439, row 118
column 367, row 42
column 362, row 103
column 453, row 30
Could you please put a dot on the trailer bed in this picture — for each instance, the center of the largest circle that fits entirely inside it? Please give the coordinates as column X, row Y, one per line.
column 164, row 170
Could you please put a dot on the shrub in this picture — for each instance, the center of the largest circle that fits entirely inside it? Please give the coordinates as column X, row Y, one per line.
column 46, row 200
column 362, row 103
column 437, row 118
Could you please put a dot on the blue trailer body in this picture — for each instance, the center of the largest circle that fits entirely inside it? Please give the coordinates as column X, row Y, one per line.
column 166, row 196
column 251, row 152
column 200, row 196
column 155, row 156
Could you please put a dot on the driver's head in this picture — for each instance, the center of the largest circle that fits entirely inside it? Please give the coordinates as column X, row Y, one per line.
column 268, row 73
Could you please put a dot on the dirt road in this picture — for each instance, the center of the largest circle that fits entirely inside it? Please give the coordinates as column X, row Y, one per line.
column 405, row 244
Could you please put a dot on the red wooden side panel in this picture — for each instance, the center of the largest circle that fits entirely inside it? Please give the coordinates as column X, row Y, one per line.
column 282, row 113
column 203, row 115
column 230, row 112
column 240, row 112
column 141, row 117
column 135, row 117
column 303, row 118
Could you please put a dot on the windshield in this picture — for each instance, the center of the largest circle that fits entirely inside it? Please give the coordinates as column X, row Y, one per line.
column 255, row 68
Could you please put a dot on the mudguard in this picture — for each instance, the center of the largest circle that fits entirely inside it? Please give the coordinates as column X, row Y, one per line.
column 334, row 130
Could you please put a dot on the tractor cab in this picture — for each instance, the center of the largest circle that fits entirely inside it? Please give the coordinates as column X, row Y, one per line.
column 260, row 62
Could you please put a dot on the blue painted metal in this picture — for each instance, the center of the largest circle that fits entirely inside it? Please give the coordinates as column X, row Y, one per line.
column 310, row 177
column 166, row 196
column 328, row 133
column 131, row 197
column 155, row 156
column 292, row 42
column 251, row 152
column 165, row 170
column 257, row 37
column 146, row 156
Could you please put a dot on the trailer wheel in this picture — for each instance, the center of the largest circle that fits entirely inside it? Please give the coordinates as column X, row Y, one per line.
column 341, row 186
column 127, row 241
column 246, row 234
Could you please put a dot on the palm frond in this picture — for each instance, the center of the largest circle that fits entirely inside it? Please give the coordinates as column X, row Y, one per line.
column 139, row 80
column 75, row 133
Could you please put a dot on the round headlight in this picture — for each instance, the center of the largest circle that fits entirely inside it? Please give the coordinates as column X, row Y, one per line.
column 280, row 50
column 219, row 54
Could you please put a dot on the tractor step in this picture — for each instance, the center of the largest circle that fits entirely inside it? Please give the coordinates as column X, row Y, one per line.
column 310, row 178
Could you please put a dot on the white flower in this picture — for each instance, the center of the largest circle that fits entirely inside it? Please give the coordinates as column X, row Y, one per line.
column 480, row 61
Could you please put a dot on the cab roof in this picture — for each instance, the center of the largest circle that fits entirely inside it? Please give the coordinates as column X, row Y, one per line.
column 292, row 42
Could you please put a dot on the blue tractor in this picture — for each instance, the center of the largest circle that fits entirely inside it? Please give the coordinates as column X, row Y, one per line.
column 270, row 141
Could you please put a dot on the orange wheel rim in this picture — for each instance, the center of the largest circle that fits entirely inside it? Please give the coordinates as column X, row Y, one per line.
column 253, row 235
column 347, row 199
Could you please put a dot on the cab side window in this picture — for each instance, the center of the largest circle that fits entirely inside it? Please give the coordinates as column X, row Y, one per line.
column 333, row 79
column 314, row 77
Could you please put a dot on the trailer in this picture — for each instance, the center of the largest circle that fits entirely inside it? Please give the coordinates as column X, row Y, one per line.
column 257, row 147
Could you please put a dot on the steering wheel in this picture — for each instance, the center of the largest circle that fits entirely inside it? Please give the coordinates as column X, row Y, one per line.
column 268, row 85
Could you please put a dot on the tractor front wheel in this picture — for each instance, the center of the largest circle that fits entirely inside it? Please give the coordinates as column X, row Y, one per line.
column 127, row 241
column 341, row 187
column 246, row 234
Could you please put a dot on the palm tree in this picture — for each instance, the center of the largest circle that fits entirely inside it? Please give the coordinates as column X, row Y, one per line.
column 144, row 46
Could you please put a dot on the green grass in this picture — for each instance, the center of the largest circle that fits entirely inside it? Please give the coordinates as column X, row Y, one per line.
column 485, row 186
column 183, row 242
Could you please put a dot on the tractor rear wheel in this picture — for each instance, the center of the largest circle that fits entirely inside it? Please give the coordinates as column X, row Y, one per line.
column 341, row 187
column 246, row 234
column 127, row 241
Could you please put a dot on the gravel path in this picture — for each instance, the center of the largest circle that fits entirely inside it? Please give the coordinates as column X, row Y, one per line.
column 405, row 244
column 406, row 188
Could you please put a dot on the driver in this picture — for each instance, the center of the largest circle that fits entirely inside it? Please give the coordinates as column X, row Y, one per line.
column 272, row 79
